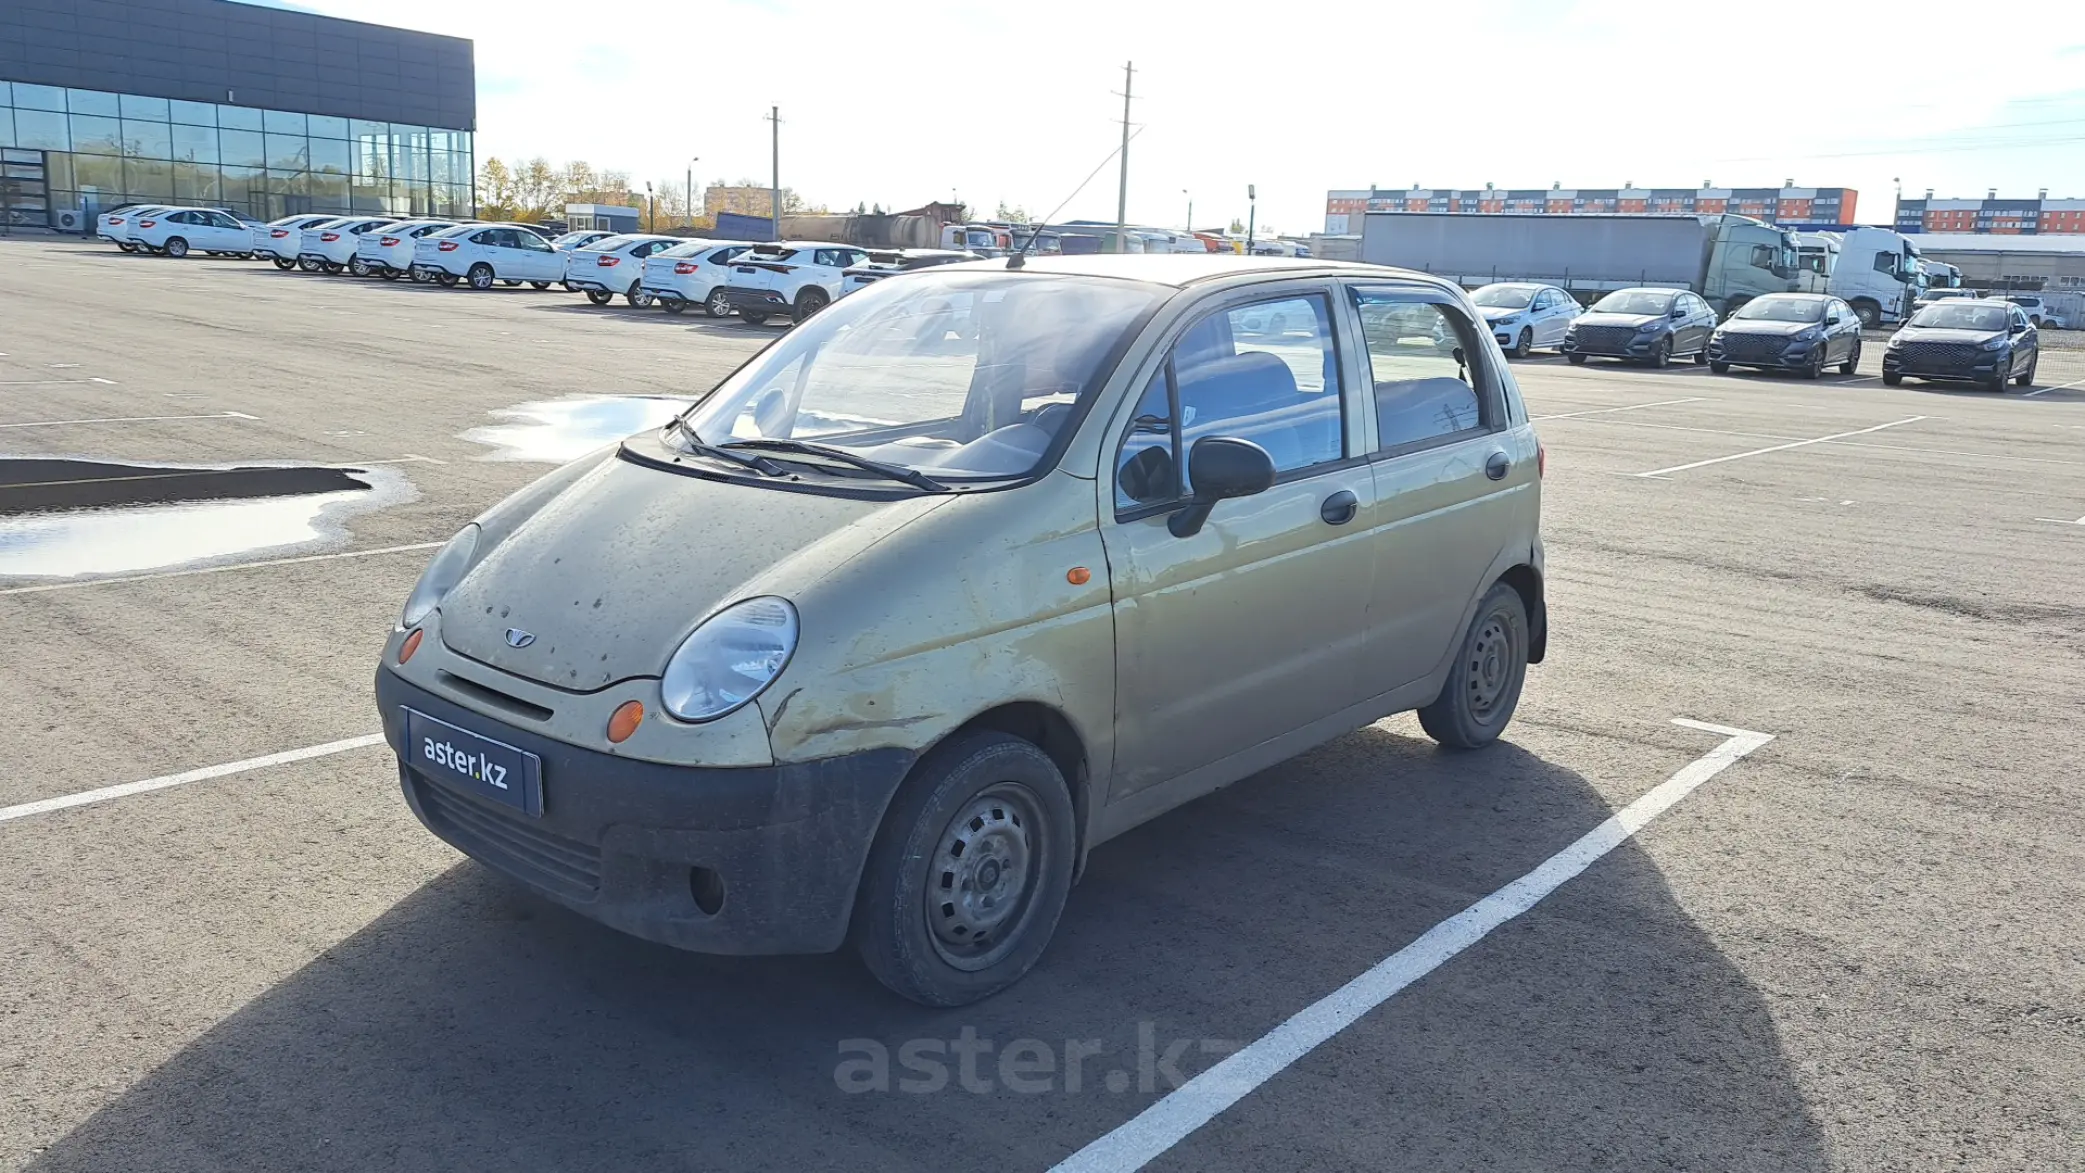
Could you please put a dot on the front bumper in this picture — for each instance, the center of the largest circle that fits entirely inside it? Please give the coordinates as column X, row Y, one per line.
column 1792, row 357
column 629, row 843
column 1638, row 346
column 1982, row 370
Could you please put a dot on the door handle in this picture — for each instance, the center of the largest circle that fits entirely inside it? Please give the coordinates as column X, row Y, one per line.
column 1497, row 465
column 1339, row 508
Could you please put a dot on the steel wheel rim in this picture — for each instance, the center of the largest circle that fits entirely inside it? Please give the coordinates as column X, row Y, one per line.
column 1491, row 666
column 983, row 876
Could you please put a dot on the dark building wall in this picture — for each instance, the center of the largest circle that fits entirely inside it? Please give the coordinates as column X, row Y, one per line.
column 243, row 54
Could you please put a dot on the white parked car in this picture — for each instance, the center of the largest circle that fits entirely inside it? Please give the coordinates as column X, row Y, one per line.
column 180, row 231
column 482, row 254
column 614, row 265
column 795, row 278
column 1524, row 315
column 332, row 246
column 578, row 239
column 691, row 273
column 280, row 240
column 388, row 252
column 884, row 263
column 114, row 225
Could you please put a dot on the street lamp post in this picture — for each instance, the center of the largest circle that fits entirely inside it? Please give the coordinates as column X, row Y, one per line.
column 1252, row 212
column 1190, row 208
column 692, row 160
column 651, row 208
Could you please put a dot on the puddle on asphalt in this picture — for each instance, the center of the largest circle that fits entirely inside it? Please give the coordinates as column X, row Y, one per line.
column 560, row 430
column 81, row 518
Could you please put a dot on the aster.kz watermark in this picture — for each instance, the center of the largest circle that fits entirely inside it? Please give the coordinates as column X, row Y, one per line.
column 980, row 1065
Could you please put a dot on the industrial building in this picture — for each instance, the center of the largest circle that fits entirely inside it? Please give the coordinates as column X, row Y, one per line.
column 261, row 111
column 1804, row 207
column 2053, row 262
column 2039, row 216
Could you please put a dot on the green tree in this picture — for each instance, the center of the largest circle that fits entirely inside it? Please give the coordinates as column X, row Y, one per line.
column 1013, row 213
column 496, row 190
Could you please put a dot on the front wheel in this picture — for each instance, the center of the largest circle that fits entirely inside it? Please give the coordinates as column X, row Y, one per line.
column 1483, row 686
column 2026, row 378
column 1575, row 359
column 969, row 873
column 446, row 280
column 333, row 268
column 599, row 296
column 421, row 276
column 1853, row 359
column 717, row 305
column 390, row 274
column 176, row 247
column 638, row 298
column 481, row 277
column 1701, row 357
column 674, row 305
column 753, row 319
column 1814, row 369
column 1892, row 379
column 1869, row 314
column 358, row 267
column 1661, row 353
column 1523, row 344
column 510, row 283
column 307, row 264
column 126, row 246
column 284, row 265
column 1721, row 368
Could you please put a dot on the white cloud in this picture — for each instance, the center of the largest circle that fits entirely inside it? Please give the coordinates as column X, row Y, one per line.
column 901, row 105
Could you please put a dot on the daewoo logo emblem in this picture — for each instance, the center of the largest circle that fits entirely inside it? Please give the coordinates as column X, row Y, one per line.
column 517, row 638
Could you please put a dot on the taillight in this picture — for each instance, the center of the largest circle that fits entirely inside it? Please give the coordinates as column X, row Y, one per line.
column 1541, row 461
column 115, row 220
column 388, row 242
column 329, row 237
column 447, row 246
column 609, row 262
column 279, row 233
column 684, row 267
column 147, row 223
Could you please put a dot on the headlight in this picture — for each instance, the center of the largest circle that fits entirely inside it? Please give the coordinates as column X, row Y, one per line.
column 441, row 576
column 1507, row 320
column 1647, row 327
column 1810, row 334
column 729, row 659
column 1997, row 343
column 1896, row 341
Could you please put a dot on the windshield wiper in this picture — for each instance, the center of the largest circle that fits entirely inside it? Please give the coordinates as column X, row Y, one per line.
column 701, row 447
column 896, row 472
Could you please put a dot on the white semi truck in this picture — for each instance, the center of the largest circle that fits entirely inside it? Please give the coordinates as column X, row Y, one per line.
column 1875, row 270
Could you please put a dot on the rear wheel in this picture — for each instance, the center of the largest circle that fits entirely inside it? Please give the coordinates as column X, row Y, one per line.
column 540, row 284
column 717, row 305
column 1483, row 686
column 284, row 265
column 969, row 872
column 810, row 301
column 176, row 247
column 753, row 319
column 1853, row 359
column 674, row 305
column 510, row 284
column 481, row 276
column 599, row 296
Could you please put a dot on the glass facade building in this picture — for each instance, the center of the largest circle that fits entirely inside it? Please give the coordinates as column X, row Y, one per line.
column 261, row 110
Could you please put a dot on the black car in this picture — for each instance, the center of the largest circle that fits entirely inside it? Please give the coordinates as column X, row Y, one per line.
column 1804, row 332
column 1983, row 341
column 1648, row 325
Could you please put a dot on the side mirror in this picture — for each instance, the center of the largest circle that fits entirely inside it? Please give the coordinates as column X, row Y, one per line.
column 1678, row 313
column 2016, row 328
column 1221, row 467
column 1831, row 319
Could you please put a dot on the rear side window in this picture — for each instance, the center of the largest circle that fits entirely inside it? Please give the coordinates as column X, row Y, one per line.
column 1418, row 361
column 725, row 254
column 487, row 237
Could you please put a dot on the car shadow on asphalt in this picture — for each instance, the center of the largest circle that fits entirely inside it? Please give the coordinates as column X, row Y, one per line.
column 473, row 1027
column 654, row 315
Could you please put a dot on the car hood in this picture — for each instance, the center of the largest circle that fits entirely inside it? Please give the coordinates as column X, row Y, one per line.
column 1632, row 321
column 612, row 572
column 1936, row 334
column 1765, row 326
column 1493, row 313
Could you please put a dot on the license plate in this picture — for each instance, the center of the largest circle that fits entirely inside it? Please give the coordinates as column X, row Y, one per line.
column 468, row 761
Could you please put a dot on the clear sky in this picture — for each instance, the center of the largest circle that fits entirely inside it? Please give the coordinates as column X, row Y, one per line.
column 901, row 104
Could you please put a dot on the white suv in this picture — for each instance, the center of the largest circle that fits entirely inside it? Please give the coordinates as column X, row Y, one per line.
column 389, row 253
column 484, row 253
column 177, row 231
column 797, row 278
column 332, row 246
column 281, row 240
column 692, row 273
column 614, row 265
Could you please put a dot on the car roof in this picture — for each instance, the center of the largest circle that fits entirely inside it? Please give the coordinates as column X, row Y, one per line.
column 1183, row 269
column 1800, row 296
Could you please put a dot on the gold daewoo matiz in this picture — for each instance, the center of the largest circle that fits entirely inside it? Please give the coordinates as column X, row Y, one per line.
column 975, row 569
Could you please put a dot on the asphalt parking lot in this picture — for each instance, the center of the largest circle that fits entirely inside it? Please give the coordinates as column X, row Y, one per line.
column 1852, row 946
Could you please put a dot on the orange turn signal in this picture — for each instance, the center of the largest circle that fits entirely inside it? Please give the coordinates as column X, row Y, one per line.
column 1078, row 576
column 411, row 645
column 624, row 721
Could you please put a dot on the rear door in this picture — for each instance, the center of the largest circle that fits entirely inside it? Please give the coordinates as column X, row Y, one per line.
column 1450, row 474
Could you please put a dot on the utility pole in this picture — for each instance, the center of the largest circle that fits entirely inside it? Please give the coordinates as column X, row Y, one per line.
column 694, row 159
column 1252, row 214
column 1122, row 191
column 774, row 116
column 1190, row 208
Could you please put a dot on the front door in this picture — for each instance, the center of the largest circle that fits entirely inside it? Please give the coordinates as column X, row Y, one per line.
column 1252, row 627
column 535, row 260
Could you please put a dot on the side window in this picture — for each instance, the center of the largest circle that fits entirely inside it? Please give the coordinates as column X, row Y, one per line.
column 725, row 254
column 826, row 256
column 1267, row 372
column 530, row 242
column 181, row 218
column 1763, row 256
column 1418, row 360
column 488, row 237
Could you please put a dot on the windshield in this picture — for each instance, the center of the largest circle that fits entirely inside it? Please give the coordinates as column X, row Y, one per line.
column 961, row 375
column 607, row 244
column 683, row 250
column 1509, row 297
column 1961, row 316
column 1781, row 309
column 1634, row 301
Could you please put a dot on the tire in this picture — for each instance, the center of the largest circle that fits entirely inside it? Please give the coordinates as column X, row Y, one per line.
column 285, row 266
column 1701, row 357
column 1661, row 354
column 2026, row 378
column 510, row 284
column 1721, row 368
column 307, row 264
column 716, row 305
column 390, row 274
column 1483, row 688
column 481, row 277
column 638, row 298
column 674, row 305
column 1853, row 359
column 175, row 247
column 540, row 284
column 1869, row 314
column 1523, row 344
column 1575, row 359
column 420, row 276
column 987, row 816
column 809, row 302
column 446, row 280
column 754, row 319
column 333, row 268
column 2000, row 377
column 2037, row 322
column 1814, row 369
column 1892, row 380
column 126, row 246
column 599, row 296
column 358, row 267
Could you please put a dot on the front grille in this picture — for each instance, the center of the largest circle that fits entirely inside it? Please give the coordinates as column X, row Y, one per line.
column 511, row 842
column 1605, row 339
column 1754, row 347
column 1938, row 356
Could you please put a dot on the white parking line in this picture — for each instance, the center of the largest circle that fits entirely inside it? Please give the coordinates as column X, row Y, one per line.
column 43, row 588
column 1180, row 1112
column 1659, row 472
column 136, row 419
column 2060, row 521
column 2057, row 387
column 86, row 797
column 1567, row 415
